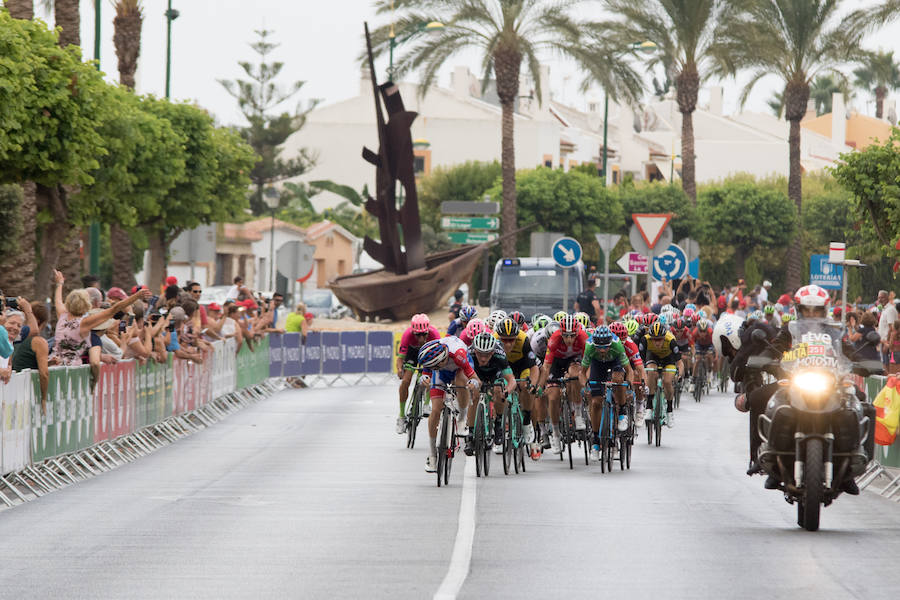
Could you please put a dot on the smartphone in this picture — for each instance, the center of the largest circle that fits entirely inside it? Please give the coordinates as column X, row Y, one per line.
column 122, row 326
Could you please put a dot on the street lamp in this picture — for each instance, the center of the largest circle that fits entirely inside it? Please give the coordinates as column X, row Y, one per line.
column 170, row 15
column 410, row 32
column 647, row 47
column 272, row 198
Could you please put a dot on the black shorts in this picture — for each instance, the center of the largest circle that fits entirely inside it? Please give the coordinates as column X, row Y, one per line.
column 705, row 349
column 560, row 366
column 411, row 356
column 685, row 350
column 521, row 368
column 600, row 373
column 671, row 359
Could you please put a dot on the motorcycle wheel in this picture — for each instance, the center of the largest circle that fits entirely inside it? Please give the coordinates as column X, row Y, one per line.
column 810, row 505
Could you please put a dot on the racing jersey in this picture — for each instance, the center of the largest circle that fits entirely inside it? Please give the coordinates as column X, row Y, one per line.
column 538, row 341
column 408, row 339
column 682, row 336
column 495, row 369
column 702, row 339
column 466, row 336
column 632, row 352
column 459, row 354
column 520, row 349
column 615, row 354
column 456, row 327
column 659, row 348
column 557, row 348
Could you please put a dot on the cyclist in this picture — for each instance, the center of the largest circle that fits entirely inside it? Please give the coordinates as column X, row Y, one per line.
column 563, row 358
column 604, row 355
column 457, row 325
column 637, row 367
column 521, row 361
column 419, row 331
column 682, row 334
column 446, row 361
column 658, row 349
column 519, row 318
column 771, row 318
column 493, row 319
column 490, row 363
column 539, row 341
column 473, row 328
column 584, row 320
column 559, row 316
column 702, row 337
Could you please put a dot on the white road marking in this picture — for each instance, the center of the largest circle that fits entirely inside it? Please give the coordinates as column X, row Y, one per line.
column 465, row 535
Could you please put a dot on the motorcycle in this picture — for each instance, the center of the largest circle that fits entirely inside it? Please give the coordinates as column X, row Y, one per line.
column 815, row 432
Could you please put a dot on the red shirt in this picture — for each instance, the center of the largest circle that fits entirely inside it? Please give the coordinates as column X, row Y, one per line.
column 557, row 348
column 632, row 352
column 703, row 339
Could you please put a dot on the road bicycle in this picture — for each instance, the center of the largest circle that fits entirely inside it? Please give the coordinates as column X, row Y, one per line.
column 701, row 379
column 610, row 436
column 657, row 417
column 514, row 442
column 415, row 407
column 567, row 432
column 447, row 437
column 482, row 430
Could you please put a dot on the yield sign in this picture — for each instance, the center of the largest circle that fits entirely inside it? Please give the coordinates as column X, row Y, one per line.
column 651, row 226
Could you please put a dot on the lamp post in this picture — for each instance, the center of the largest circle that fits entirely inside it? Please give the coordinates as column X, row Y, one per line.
column 170, row 15
column 272, row 198
column 646, row 47
column 94, row 229
column 409, row 32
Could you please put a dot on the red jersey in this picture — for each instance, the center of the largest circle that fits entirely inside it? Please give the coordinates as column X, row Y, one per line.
column 558, row 348
column 632, row 352
column 702, row 338
column 683, row 336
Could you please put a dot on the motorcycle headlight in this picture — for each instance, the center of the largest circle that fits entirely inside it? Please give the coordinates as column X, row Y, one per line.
column 813, row 385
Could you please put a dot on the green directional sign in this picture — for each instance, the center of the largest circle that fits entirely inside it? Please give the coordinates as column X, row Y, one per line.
column 470, row 223
column 468, row 237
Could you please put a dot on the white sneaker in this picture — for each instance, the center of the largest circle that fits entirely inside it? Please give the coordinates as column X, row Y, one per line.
column 579, row 423
column 528, row 430
column 426, row 409
column 623, row 423
column 401, row 425
column 595, row 452
column 639, row 417
column 555, row 445
column 670, row 419
column 498, row 448
column 430, row 464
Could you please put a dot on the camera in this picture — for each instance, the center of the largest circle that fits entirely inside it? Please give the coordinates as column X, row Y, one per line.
column 11, row 302
column 154, row 318
column 118, row 316
column 171, row 327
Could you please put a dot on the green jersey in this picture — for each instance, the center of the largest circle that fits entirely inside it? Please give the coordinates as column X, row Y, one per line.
column 615, row 354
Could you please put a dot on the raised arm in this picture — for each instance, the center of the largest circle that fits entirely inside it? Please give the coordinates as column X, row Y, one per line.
column 58, row 281
column 88, row 322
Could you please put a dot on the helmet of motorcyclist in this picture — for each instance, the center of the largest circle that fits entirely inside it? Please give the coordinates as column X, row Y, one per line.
column 485, row 343
column 432, row 354
column 727, row 329
column 420, row 323
column 811, row 301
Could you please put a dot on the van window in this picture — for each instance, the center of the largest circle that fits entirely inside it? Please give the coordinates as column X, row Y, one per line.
column 527, row 281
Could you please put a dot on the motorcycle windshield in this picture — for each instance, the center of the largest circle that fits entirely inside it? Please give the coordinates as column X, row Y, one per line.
column 815, row 344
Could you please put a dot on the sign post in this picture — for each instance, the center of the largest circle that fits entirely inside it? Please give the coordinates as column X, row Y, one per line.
column 607, row 242
column 837, row 255
column 566, row 252
column 651, row 228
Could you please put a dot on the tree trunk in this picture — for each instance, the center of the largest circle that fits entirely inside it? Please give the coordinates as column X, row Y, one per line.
column 54, row 237
column 127, row 39
column 507, row 64
column 157, row 273
column 71, row 257
column 880, row 93
column 68, row 17
column 796, row 96
column 20, row 9
column 122, row 257
column 17, row 271
column 687, row 86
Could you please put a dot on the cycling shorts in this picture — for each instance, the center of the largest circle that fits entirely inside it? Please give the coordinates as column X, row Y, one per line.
column 411, row 356
column 443, row 377
column 601, row 372
column 560, row 366
column 670, row 360
column 685, row 349
column 705, row 349
column 521, row 369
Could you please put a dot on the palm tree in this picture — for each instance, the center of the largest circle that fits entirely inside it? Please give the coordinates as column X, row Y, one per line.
column 776, row 104
column 795, row 40
column 68, row 17
column 507, row 34
column 878, row 74
column 823, row 88
column 127, row 23
column 20, row 9
column 683, row 32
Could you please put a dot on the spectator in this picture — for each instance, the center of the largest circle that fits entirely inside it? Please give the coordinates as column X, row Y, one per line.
column 238, row 291
column 587, row 301
column 95, row 295
column 109, row 347
column 195, row 290
column 137, row 341
column 177, row 319
column 116, row 294
column 214, row 322
column 159, row 337
column 190, row 332
column 296, row 321
column 455, row 304
column 90, row 281
column 764, row 292
column 865, row 350
column 34, row 353
column 230, row 328
column 888, row 315
column 73, row 326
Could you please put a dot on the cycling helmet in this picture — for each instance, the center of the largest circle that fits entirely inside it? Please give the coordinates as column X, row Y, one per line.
column 769, row 309
column 538, row 322
column 619, row 330
column 420, row 323
column 688, row 312
column 678, row 323
column 432, row 353
column 632, row 326
column 756, row 315
column 785, row 317
column 690, row 307
column 727, row 328
column 703, row 325
column 701, row 314
column 467, row 313
column 569, row 324
column 484, row 342
column 583, row 318
column 658, row 330
column 664, row 319
column 559, row 316
column 519, row 318
column 602, row 337
column 666, row 309
column 811, row 295
column 551, row 328
column 494, row 318
column 507, row 328
column 650, row 318
column 475, row 327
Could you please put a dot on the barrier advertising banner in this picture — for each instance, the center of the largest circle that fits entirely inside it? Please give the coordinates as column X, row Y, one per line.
column 276, row 359
column 331, row 353
column 291, row 354
column 353, row 351
column 15, row 451
column 379, row 352
column 311, row 354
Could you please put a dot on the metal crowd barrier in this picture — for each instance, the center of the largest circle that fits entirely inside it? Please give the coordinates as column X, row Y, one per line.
column 330, row 357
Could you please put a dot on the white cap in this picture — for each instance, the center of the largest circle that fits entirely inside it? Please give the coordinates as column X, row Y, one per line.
column 767, row 283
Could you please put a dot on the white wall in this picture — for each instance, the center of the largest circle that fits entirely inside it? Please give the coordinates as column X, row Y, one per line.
column 261, row 250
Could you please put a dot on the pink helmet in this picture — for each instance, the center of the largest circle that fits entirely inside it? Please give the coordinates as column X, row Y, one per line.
column 474, row 327
column 420, row 323
column 811, row 295
column 688, row 313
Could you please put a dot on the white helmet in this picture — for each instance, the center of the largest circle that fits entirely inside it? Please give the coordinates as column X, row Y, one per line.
column 728, row 326
column 811, row 295
column 494, row 318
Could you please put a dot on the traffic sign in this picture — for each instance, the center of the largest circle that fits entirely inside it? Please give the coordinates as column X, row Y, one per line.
column 671, row 263
column 295, row 260
column 633, row 263
column 607, row 241
column 566, row 252
column 470, row 208
column 651, row 226
column 837, row 252
column 691, row 247
column 824, row 274
column 469, row 237
column 640, row 246
column 470, row 223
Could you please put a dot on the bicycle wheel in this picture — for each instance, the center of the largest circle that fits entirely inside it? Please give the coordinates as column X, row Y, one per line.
column 488, row 433
column 678, row 384
column 442, row 444
column 611, row 437
column 451, row 449
column 518, row 437
column 604, row 437
column 412, row 417
column 658, row 413
column 507, row 442
column 479, row 442
column 570, row 430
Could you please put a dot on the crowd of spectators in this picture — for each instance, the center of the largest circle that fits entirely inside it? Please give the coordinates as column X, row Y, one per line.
column 91, row 326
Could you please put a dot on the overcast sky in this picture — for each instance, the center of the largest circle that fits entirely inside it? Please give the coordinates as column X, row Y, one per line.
column 320, row 40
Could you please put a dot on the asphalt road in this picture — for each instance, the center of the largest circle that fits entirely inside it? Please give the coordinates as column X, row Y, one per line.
column 311, row 494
